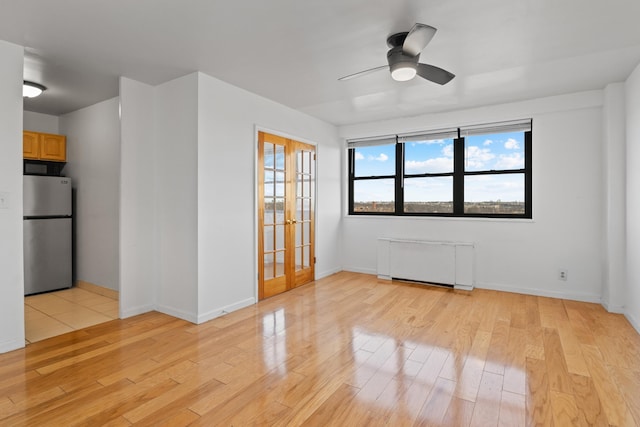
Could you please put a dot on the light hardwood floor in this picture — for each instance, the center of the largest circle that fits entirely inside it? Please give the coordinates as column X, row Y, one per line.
column 347, row 350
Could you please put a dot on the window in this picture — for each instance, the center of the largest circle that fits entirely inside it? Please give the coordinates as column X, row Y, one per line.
column 468, row 171
column 373, row 172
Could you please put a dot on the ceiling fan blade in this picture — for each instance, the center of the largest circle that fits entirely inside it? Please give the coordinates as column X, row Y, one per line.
column 363, row 73
column 434, row 74
column 417, row 39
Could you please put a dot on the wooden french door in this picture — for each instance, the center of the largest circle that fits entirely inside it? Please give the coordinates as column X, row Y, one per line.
column 286, row 200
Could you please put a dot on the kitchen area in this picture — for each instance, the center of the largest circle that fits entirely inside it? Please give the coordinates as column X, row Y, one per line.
column 70, row 212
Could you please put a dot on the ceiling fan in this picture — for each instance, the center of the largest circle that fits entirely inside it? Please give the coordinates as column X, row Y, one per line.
column 404, row 55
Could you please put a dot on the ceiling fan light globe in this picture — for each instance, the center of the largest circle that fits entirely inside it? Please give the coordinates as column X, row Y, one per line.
column 402, row 74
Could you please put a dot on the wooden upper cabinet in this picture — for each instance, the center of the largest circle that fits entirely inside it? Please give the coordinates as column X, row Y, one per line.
column 30, row 145
column 53, row 147
column 44, row 146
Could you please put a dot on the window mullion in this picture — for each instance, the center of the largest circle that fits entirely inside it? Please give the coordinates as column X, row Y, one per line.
column 351, row 178
column 399, row 182
column 528, row 185
column 458, row 176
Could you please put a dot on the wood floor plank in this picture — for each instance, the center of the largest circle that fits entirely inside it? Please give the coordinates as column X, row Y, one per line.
column 611, row 398
column 538, row 397
column 512, row 410
column 497, row 354
column 437, row 404
column 559, row 379
column 588, row 401
column 459, row 413
column 469, row 380
column 333, row 409
column 627, row 380
column 565, row 410
column 487, row 408
column 346, row 350
column 515, row 367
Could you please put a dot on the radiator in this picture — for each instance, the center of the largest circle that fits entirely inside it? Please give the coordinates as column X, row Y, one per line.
column 446, row 263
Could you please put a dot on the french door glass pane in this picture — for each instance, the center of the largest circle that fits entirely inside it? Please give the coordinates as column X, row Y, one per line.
column 306, row 232
column 269, row 238
column 269, row 210
column 298, row 234
column 269, row 161
column 305, row 256
column 279, row 210
column 269, row 183
column 298, row 251
column 269, row 266
column 280, row 157
column 279, row 237
column 279, row 184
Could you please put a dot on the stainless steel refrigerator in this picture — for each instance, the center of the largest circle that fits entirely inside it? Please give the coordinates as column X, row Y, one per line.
column 47, row 233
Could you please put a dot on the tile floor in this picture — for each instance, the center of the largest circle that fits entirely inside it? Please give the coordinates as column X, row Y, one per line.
column 55, row 313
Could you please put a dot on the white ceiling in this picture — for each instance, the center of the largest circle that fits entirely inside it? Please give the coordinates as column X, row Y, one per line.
column 293, row 51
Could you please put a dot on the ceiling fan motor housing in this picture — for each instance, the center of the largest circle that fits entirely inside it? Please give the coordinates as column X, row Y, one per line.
column 400, row 63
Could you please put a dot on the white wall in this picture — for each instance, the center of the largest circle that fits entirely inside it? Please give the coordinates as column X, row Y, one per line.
column 39, row 122
column 11, row 258
column 632, row 92
column 93, row 163
column 227, row 213
column 138, row 220
column 517, row 255
column 176, row 180
column 614, row 170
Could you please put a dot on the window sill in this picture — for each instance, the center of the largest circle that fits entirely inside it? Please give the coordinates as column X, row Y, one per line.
column 439, row 218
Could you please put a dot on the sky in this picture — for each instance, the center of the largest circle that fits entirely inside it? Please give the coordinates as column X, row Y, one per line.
column 482, row 153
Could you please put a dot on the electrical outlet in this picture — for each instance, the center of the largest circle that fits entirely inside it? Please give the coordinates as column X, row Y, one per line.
column 562, row 274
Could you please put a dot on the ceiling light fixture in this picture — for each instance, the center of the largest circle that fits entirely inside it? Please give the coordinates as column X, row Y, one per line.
column 402, row 72
column 31, row 90
column 403, row 66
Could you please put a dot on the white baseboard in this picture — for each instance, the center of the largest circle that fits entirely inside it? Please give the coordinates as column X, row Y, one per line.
column 504, row 288
column 189, row 317
column 361, row 270
column 542, row 293
column 11, row 345
column 327, row 273
column 212, row 314
column 634, row 322
column 463, row 287
column 134, row 311
column 613, row 308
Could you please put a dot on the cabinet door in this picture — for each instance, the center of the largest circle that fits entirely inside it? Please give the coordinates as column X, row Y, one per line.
column 53, row 147
column 30, row 145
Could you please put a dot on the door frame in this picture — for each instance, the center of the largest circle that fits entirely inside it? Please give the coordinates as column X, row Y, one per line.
column 256, row 228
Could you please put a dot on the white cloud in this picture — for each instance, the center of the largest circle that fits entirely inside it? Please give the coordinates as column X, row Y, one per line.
column 431, row 142
column 359, row 156
column 381, row 158
column 511, row 144
column 447, row 150
column 435, row 165
column 510, row 161
column 476, row 157
column 487, row 142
